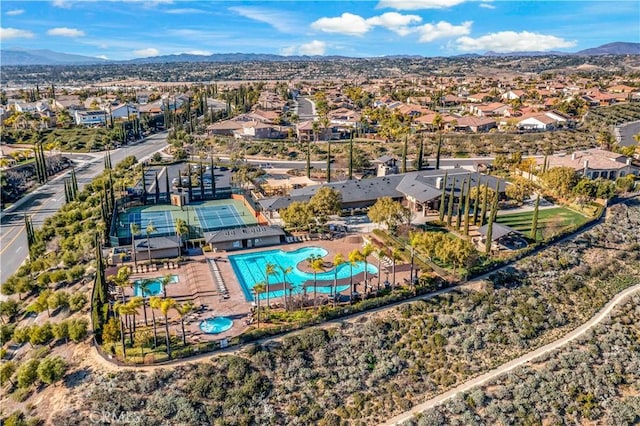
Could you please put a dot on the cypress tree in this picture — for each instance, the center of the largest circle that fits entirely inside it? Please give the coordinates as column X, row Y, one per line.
column 190, row 187
column 66, row 192
column 467, row 201
column 74, row 183
column 438, row 151
column 443, row 197
column 213, row 178
column 166, row 182
column 201, row 174
column 351, row 156
column 420, row 164
column 483, row 216
column 534, row 221
column 459, row 209
column 329, row 161
column 309, row 159
column 476, row 201
column 31, row 237
column 157, row 188
column 405, row 148
column 144, row 185
column 492, row 218
column 450, row 206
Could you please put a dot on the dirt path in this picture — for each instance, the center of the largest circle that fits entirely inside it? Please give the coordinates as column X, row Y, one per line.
column 504, row 368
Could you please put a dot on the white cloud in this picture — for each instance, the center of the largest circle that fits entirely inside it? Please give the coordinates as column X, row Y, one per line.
column 65, row 32
column 15, row 12
column 511, row 41
column 281, row 21
column 487, row 5
column 149, row 51
column 395, row 22
column 313, row 48
column 61, row 3
column 431, row 32
column 347, row 23
column 9, row 33
column 198, row 52
column 102, row 56
column 185, row 11
column 417, row 4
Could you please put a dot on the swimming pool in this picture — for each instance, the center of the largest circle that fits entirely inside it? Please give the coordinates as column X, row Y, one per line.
column 154, row 288
column 216, row 325
column 250, row 270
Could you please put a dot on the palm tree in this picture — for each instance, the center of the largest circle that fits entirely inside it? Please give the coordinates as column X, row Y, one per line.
column 182, row 229
column 338, row 260
column 121, row 279
column 316, row 264
column 134, row 303
column 135, row 230
column 285, row 271
column 354, row 257
column 166, row 280
column 154, row 303
column 165, row 305
column 257, row 289
column 145, row 289
column 269, row 269
column 366, row 252
column 414, row 240
column 381, row 252
column 149, row 230
column 184, row 310
column 122, row 309
column 395, row 256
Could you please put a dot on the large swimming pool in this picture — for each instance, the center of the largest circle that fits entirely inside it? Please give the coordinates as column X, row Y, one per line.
column 154, row 288
column 250, row 270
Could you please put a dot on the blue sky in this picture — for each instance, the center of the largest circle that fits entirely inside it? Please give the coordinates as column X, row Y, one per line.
column 126, row 29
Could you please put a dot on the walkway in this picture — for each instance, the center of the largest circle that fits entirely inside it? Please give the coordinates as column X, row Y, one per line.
column 513, row 364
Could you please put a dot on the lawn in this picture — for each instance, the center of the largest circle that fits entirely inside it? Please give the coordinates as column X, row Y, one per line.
column 550, row 221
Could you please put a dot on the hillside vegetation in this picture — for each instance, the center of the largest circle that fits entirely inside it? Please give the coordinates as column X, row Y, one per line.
column 381, row 364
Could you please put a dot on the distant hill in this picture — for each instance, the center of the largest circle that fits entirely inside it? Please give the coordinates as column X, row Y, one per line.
column 44, row 57
column 524, row 54
column 617, row 48
column 48, row 57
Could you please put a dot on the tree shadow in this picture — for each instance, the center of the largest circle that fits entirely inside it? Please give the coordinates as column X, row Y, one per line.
column 77, row 378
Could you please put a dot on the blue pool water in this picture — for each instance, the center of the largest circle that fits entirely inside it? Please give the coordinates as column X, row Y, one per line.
column 250, row 270
column 216, row 325
column 155, row 287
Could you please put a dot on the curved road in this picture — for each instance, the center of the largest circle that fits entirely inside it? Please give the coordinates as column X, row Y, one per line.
column 505, row 368
column 47, row 199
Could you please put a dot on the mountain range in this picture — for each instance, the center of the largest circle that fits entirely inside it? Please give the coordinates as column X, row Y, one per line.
column 48, row 57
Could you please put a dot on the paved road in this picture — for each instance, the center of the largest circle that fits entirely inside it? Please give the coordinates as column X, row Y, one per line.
column 305, row 109
column 627, row 131
column 47, row 199
column 511, row 365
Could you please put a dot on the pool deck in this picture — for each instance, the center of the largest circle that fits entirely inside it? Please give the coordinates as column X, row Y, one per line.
column 196, row 284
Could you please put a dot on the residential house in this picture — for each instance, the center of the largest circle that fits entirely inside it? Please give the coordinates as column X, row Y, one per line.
column 492, row 109
column 124, row 111
column 593, row 163
column 474, row 124
column 67, row 102
column 90, row 118
column 538, row 122
column 511, row 95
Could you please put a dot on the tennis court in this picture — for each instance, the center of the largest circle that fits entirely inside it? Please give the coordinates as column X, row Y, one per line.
column 200, row 217
column 218, row 217
column 162, row 221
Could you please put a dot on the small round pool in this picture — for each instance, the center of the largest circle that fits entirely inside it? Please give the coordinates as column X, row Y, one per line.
column 216, row 325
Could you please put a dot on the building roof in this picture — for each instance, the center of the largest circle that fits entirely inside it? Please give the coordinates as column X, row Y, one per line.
column 157, row 243
column 237, row 234
column 354, row 191
column 498, row 231
column 599, row 159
